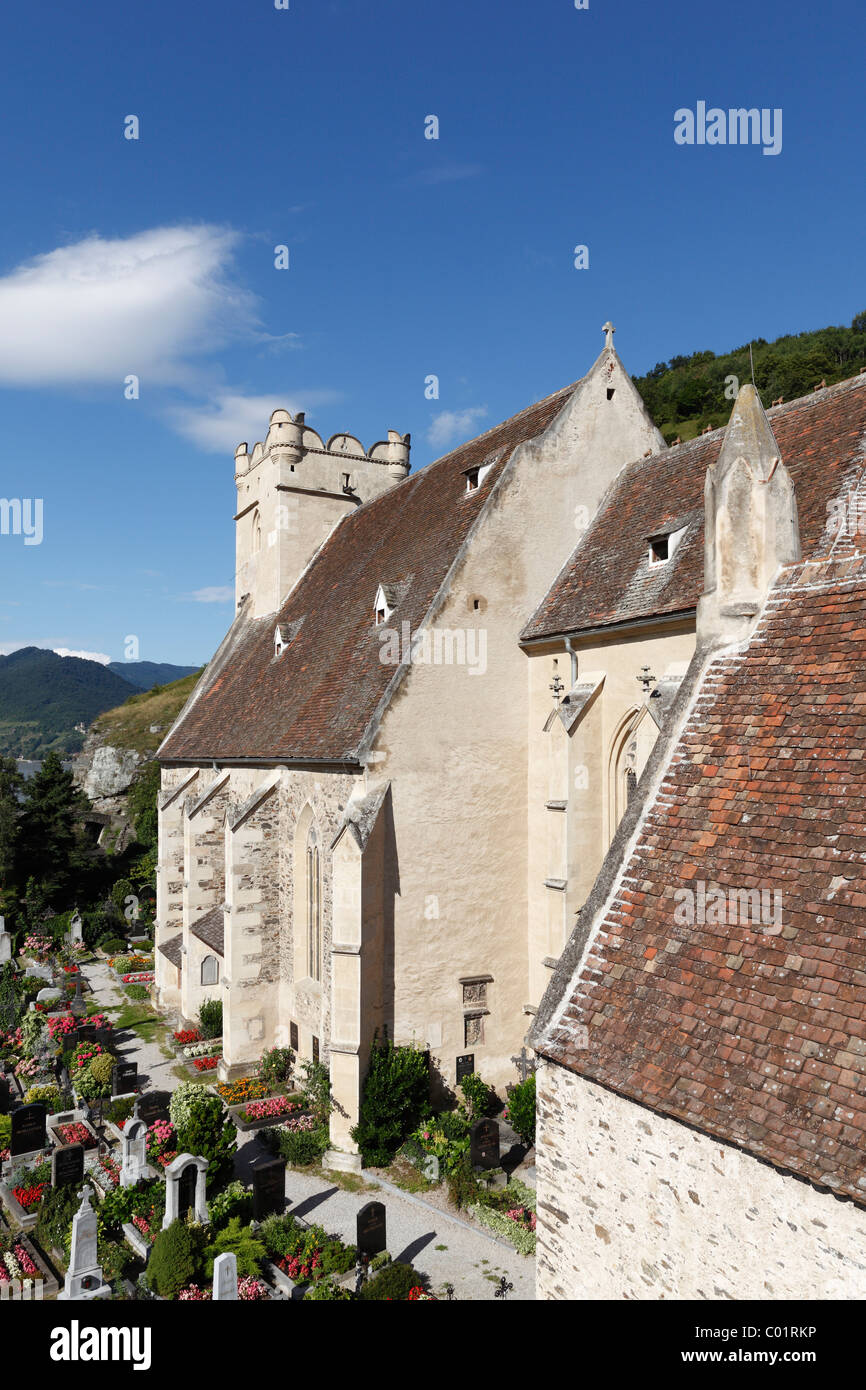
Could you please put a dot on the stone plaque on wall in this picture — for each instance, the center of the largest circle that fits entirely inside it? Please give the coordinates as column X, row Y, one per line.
column 465, row 1066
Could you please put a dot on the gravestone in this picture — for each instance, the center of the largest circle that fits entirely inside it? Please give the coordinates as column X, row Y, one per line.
column 28, row 1130
column 185, row 1179
column 124, row 1077
column 77, row 1005
column 84, row 1276
column 269, row 1188
column 225, row 1278
column 153, row 1105
column 4, row 1094
column 371, row 1229
column 40, row 972
column 5, row 946
column 86, row 1032
column 133, row 1162
column 465, row 1066
column 67, row 1165
column 76, row 930
column 484, row 1144
column 49, row 995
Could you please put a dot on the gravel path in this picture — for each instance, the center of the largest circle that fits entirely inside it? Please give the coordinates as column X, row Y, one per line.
column 154, row 1069
column 441, row 1246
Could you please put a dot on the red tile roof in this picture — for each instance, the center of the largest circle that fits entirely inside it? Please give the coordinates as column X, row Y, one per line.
column 315, row 701
column 609, row 580
column 753, row 1033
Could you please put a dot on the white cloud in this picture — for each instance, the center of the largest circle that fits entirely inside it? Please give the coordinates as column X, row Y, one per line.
column 85, row 656
column 229, row 418
column 102, row 308
column 217, row 593
column 453, row 426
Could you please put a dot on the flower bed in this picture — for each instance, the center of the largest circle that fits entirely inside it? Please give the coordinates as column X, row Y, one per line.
column 110, row 1167
column 187, row 1035
column 514, row 1220
column 271, row 1109
column 29, row 1195
column 76, row 1133
column 246, row 1088
column 202, row 1049
column 142, row 979
column 161, row 1136
column 206, row 1063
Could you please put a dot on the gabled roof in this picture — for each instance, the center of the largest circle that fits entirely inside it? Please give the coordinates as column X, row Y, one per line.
column 755, row 1033
column 314, row 702
column 609, row 578
column 171, row 949
column 210, row 928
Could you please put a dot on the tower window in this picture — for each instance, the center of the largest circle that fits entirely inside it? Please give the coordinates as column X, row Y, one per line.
column 610, row 391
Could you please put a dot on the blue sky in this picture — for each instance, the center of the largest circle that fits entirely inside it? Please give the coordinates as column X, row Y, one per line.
column 408, row 256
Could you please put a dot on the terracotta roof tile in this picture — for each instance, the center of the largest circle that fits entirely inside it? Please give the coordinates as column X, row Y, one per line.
column 755, row 1032
column 210, row 928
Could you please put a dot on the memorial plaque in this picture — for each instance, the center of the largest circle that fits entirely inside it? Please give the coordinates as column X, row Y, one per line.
column 124, row 1078
column 67, row 1165
column 371, row 1229
column 293, row 1037
column 28, row 1130
column 153, row 1105
column 465, row 1066
column 484, row 1144
column 269, row 1188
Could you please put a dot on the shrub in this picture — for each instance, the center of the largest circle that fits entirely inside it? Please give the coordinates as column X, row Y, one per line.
column 56, row 1210
column 241, row 1242
column 477, row 1096
column 111, row 944
column 305, row 1252
column 316, row 1090
column 210, row 1018
column 299, row 1147
column 174, row 1260
column 276, row 1065
column 94, row 1080
column 327, row 1289
column 32, row 1031
column 5, row 1131
column 463, row 1186
column 49, row 1096
column 232, row 1201
column 200, row 1119
column 521, row 1110
column 119, row 1110
column 137, row 991
column 396, row 1096
column 393, row 1283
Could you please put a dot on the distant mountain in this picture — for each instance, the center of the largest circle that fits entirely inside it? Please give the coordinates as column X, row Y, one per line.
column 146, row 674
column 47, row 701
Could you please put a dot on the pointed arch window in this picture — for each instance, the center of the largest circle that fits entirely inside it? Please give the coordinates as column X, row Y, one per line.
column 314, row 906
column 257, row 531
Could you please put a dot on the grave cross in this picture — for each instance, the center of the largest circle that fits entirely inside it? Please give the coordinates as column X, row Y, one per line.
column 524, row 1064
column 608, row 330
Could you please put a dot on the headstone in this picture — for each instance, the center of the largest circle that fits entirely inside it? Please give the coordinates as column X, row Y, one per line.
column 124, row 1077
column 153, row 1105
column 185, row 1179
column 4, row 1094
column 133, row 1162
column 5, row 946
column 269, row 1188
column 484, row 1144
column 465, row 1066
column 77, row 1004
column 48, row 996
column 76, row 929
column 39, row 972
column 86, row 1032
column 371, row 1229
column 84, row 1275
column 67, row 1165
column 28, row 1130
column 225, row 1278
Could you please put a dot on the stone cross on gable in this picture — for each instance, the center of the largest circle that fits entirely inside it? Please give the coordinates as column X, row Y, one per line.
column 608, row 330
column 524, row 1064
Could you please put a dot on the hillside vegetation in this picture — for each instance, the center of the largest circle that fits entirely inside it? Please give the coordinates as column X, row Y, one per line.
column 43, row 697
column 143, row 720
column 687, row 394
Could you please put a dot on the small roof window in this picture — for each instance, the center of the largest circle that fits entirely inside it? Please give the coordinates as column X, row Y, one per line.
column 662, row 546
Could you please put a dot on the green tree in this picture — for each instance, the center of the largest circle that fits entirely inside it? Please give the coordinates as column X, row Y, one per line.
column 396, row 1097
column 51, row 842
column 11, row 785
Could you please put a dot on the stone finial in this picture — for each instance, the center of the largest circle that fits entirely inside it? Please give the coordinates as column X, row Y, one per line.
column 750, row 523
column 608, row 330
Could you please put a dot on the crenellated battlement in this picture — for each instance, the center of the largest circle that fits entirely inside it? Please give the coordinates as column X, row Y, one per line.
column 293, row 489
column 292, row 436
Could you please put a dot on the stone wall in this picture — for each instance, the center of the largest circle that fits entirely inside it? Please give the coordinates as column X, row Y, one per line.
column 635, row 1205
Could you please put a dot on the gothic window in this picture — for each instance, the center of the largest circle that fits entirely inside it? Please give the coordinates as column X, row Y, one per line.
column 210, row 970
column 314, row 906
column 257, row 532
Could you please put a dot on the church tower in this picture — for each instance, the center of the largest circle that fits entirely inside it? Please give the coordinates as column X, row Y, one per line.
column 292, row 491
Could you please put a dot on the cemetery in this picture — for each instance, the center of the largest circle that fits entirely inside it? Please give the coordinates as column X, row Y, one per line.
column 117, row 1188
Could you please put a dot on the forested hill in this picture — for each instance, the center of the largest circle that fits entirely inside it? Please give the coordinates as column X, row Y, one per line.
column 685, row 395
column 44, row 696
column 146, row 674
